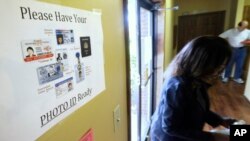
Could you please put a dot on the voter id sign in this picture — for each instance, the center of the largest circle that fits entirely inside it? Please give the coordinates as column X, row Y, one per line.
column 240, row 133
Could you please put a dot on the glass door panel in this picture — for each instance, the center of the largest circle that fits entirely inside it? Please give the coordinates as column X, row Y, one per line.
column 134, row 71
column 146, row 51
column 140, row 23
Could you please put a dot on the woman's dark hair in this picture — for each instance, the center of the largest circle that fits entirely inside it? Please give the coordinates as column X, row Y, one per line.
column 200, row 57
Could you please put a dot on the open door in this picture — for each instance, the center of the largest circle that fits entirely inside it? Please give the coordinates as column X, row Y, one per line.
column 146, row 68
column 141, row 62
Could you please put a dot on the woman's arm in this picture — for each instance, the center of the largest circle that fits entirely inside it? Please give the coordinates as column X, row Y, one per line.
column 215, row 120
column 174, row 115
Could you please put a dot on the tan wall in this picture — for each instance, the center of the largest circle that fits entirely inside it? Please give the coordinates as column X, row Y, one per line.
column 169, row 25
column 247, row 2
column 98, row 113
column 240, row 8
column 239, row 11
column 203, row 6
column 247, row 88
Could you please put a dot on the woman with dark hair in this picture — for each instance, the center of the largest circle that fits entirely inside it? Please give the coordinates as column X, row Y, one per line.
column 184, row 106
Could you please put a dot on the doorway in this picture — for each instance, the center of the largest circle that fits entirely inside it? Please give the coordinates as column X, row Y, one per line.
column 141, row 62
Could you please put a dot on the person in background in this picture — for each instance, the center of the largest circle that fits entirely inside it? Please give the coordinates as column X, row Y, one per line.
column 237, row 38
column 184, row 105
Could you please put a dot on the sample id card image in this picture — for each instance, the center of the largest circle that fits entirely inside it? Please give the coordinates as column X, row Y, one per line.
column 62, row 58
column 36, row 49
column 64, row 87
column 64, row 37
column 49, row 73
column 79, row 72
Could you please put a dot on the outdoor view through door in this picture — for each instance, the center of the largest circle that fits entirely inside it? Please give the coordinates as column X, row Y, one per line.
column 140, row 20
column 146, row 70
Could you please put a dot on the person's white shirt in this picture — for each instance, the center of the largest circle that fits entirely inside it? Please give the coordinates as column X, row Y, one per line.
column 235, row 37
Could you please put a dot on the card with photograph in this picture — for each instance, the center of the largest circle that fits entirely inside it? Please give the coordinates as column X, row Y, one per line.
column 36, row 49
column 79, row 72
column 64, row 87
column 85, row 46
column 49, row 73
column 64, row 37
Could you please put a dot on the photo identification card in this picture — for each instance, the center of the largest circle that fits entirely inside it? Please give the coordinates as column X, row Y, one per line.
column 64, row 37
column 49, row 73
column 64, row 87
column 36, row 49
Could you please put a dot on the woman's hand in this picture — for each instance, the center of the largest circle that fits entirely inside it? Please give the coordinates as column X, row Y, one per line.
column 228, row 121
column 220, row 137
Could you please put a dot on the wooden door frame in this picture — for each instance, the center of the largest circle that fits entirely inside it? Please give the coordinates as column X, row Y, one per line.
column 127, row 50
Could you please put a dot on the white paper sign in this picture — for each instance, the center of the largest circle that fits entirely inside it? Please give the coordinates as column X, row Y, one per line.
column 51, row 64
